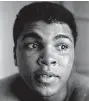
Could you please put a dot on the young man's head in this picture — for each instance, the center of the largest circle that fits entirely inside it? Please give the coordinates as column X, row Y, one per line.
column 44, row 36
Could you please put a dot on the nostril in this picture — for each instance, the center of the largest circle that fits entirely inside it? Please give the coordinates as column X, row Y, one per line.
column 54, row 62
column 43, row 62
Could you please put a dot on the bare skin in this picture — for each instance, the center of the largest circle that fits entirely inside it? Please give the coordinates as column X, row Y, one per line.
column 15, row 89
column 45, row 56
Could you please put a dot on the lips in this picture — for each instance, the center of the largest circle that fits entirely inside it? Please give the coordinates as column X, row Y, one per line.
column 45, row 77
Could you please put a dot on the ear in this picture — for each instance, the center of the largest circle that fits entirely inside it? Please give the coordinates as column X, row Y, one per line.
column 14, row 52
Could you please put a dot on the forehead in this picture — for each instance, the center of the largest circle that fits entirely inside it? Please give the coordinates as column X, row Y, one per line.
column 48, row 30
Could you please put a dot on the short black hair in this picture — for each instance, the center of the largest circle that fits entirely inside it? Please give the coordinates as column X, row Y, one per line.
column 45, row 11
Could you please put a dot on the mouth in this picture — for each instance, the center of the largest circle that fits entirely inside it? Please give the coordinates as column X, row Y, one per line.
column 45, row 78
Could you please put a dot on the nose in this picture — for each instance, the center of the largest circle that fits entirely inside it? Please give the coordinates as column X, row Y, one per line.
column 47, row 62
column 47, row 59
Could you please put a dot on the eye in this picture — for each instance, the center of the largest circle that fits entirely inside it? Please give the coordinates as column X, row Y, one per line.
column 31, row 45
column 62, row 47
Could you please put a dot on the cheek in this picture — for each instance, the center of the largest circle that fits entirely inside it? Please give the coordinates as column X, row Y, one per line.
column 66, row 60
column 65, row 63
column 27, row 60
column 65, row 67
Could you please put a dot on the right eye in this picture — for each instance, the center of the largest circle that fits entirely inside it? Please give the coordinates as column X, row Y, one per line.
column 31, row 45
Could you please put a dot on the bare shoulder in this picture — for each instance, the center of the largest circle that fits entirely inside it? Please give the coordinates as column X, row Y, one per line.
column 81, row 87
column 15, row 89
column 5, row 89
column 81, row 80
column 7, row 81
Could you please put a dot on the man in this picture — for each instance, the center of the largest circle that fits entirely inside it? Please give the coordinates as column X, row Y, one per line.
column 45, row 37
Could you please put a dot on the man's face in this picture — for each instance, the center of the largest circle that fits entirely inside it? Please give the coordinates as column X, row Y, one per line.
column 45, row 55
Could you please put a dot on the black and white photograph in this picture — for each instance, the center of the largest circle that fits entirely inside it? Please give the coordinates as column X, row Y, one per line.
column 44, row 50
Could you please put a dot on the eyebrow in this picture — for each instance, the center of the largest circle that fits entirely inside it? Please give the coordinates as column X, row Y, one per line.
column 62, row 36
column 32, row 35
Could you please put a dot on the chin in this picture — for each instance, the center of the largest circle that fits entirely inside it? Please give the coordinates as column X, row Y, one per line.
column 47, row 91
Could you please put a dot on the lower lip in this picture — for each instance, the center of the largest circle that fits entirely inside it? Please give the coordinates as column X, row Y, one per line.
column 44, row 79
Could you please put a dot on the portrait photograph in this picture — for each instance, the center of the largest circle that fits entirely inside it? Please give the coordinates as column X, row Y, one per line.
column 44, row 50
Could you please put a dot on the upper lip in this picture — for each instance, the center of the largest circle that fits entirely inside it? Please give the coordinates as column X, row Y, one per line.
column 46, row 73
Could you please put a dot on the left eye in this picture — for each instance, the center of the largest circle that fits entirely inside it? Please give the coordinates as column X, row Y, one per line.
column 31, row 45
column 62, row 47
